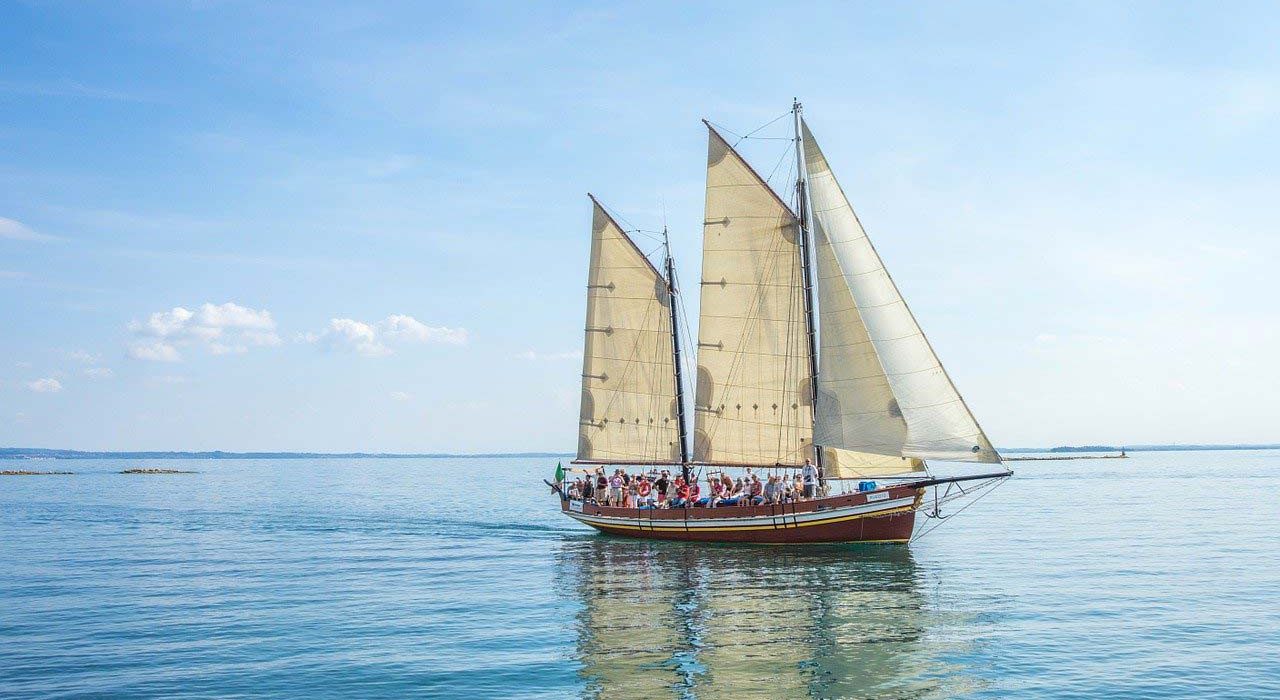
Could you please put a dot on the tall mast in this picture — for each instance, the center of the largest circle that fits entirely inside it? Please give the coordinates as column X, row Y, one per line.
column 802, row 210
column 675, row 350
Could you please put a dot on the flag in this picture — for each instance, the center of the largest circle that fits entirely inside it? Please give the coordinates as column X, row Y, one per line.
column 559, row 473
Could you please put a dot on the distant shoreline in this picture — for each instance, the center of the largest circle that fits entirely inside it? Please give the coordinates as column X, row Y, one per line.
column 36, row 453
column 25, row 453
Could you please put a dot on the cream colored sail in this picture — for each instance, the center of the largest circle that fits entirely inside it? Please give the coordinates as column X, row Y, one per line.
column 855, row 410
column 752, row 404
column 628, row 411
column 847, row 464
column 855, row 403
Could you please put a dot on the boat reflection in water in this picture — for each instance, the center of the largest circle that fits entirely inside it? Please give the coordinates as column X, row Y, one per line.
column 665, row 619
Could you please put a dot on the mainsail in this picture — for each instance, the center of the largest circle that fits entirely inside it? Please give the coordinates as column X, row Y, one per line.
column 752, row 402
column 881, row 388
column 629, row 406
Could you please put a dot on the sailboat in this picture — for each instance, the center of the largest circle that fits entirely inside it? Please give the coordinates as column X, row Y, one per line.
column 806, row 354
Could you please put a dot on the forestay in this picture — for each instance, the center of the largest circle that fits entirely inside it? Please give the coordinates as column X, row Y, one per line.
column 752, row 401
column 628, row 411
column 881, row 375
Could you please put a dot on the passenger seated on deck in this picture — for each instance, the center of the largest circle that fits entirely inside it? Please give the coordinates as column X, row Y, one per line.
column 788, row 491
column 681, row 493
column 798, row 486
column 770, row 491
column 717, row 493
column 756, row 490
column 726, row 495
column 644, row 492
column 661, row 486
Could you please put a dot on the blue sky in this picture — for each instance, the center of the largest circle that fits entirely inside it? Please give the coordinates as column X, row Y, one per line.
column 329, row 227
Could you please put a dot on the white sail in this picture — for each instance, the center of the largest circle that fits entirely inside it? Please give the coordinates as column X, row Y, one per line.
column 752, row 404
column 938, row 423
column 628, row 411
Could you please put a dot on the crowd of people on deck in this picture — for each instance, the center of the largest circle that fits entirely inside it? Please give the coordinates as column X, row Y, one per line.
column 658, row 489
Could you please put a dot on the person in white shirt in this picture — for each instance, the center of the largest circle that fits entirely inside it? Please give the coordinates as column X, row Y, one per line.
column 810, row 476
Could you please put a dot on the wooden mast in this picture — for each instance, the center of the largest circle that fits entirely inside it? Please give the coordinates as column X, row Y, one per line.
column 802, row 211
column 675, row 350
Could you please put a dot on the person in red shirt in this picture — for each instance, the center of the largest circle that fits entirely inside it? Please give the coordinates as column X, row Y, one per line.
column 682, row 494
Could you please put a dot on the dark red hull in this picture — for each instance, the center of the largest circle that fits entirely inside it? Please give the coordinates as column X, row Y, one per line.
column 887, row 515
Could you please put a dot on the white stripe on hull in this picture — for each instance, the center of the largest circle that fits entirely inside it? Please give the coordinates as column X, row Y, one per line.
column 777, row 521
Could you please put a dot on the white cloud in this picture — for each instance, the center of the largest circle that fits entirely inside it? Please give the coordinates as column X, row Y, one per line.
column 353, row 335
column 99, row 373
column 400, row 396
column 170, row 379
column 18, row 231
column 154, row 351
column 410, row 329
column 376, row 340
column 48, row 385
column 534, row 356
column 221, row 328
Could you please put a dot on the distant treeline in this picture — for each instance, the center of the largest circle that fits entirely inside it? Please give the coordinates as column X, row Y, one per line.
column 41, row 453
column 1141, row 448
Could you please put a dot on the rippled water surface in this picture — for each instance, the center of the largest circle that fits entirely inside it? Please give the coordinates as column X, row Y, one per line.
column 1157, row 576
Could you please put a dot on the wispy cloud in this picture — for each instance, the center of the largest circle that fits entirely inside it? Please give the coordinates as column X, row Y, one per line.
column 400, row 396
column 48, row 385
column 379, row 339
column 220, row 328
column 17, row 231
column 82, row 356
column 12, row 275
column 99, row 373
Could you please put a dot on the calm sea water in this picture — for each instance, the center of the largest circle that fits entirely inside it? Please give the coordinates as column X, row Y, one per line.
column 1157, row 576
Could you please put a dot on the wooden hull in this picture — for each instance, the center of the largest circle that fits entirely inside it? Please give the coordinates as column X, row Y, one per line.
column 886, row 515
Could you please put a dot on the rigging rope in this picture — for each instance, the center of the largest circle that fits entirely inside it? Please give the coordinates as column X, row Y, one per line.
column 988, row 485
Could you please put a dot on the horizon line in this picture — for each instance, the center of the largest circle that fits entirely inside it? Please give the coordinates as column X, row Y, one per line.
column 15, row 453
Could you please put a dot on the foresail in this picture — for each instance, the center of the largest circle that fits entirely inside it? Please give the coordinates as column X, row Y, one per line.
column 938, row 423
column 856, row 408
column 752, row 403
column 628, row 411
column 847, row 464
